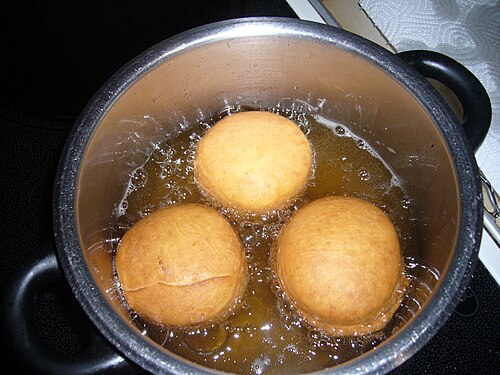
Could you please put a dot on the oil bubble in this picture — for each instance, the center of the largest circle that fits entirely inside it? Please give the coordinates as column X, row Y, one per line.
column 139, row 178
column 206, row 340
column 364, row 175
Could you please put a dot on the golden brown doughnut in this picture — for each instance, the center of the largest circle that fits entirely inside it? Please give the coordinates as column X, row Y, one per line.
column 182, row 265
column 253, row 161
column 339, row 262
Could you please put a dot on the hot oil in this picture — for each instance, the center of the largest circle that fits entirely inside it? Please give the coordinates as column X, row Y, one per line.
column 265, row 335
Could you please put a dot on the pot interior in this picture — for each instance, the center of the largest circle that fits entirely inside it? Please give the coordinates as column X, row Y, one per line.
column 190, row 83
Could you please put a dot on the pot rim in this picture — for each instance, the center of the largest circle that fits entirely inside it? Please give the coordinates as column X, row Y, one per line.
column 150, row 355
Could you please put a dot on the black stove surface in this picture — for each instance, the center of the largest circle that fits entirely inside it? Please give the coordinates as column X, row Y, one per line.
column 56, row 55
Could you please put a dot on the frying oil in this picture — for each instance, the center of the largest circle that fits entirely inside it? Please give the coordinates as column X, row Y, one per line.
column 265, row 335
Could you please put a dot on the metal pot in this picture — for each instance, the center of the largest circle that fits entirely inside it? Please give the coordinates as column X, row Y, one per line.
column 261, row 61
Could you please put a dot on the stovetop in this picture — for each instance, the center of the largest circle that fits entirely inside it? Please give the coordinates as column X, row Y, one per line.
column 56, row 55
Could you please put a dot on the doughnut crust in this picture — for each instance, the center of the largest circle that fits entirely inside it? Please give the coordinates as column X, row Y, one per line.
column 253, row 161
column 339, row 262
column 182, row 265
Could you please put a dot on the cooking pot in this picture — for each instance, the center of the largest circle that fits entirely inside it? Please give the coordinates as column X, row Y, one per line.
column 262, row 62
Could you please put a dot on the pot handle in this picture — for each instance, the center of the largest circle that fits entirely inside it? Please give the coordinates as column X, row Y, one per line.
column 468, row 89
column 21, row 334
column 476, row 118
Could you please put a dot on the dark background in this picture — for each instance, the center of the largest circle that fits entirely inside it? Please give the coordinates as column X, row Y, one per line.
column 55, row 56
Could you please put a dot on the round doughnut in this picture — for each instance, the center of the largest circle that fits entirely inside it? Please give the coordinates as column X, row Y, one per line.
column 182, row 265
column 339, row 262
column 253, row 161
